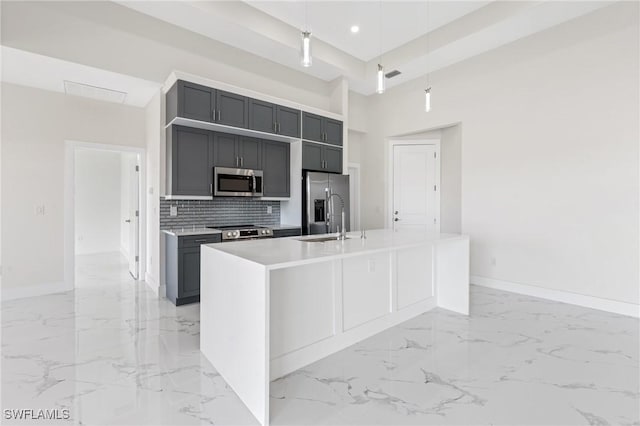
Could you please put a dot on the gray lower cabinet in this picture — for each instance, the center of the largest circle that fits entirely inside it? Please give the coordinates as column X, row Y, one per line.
column 189, row 161
column 182, row 266
column 276, row 169
column 320, row 157
column 281, row 233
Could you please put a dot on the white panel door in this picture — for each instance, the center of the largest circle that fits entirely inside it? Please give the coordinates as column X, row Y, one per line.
column 414, row 187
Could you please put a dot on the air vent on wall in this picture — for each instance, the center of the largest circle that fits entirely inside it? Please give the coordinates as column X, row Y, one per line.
column 94, row 92
column 392, row 74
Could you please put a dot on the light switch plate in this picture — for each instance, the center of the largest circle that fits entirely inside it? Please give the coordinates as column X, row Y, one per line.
column 173, row 211
column 269, row 209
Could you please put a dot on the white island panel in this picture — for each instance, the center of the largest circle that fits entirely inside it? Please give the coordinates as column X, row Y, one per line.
column 302, row 306
column 234, row 330
column 414, row 275
column 366, row 288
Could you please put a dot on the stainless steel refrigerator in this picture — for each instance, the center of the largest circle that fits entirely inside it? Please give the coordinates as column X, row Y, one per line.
column 324, row 195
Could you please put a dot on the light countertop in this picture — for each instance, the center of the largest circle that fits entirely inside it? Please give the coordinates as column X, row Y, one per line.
column 189, row 231
column 285, row 252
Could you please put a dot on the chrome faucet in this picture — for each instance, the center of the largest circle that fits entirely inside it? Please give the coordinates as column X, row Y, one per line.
column 342, row 230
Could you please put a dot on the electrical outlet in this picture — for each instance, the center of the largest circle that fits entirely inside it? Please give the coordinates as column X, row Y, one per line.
column 269, row 210
column 40, row 210
column 173, row 211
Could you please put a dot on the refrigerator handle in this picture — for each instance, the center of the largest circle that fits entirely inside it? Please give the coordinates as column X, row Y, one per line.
column 327, row 209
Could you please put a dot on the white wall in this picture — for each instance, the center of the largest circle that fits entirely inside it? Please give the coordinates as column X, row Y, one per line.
column 97, row 201
column 35, row 126
column 549, row 154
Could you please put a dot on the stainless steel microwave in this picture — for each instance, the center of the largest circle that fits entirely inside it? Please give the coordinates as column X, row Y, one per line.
column 231, row 182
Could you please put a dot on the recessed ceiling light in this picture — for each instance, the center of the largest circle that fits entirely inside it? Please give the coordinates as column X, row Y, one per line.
column 355, row 29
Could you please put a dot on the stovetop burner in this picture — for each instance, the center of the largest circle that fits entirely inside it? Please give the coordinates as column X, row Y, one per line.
column 240, row 232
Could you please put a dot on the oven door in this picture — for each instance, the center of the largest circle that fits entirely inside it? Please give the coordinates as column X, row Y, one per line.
column 230, row 182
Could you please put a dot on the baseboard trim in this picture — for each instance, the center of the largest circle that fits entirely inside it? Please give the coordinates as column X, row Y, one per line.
column 22, row 292
column 152, row 283
column 622, row 308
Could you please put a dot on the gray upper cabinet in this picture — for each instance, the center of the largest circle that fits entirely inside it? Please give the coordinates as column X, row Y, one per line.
column 231, row 109
column 312, row 156
column 276, row 169
column 333, row 131
column 237, row 151
column 321, row 157
column 250, row 153
column 271, row 118
column 287, row 121
column 189, row 161
column 332, row 159
column 225, row 152
column 190, row 100
column 262, row 116
column 321, row 129
column 312, row 127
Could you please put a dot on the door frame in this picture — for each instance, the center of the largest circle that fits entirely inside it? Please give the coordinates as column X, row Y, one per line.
column 390, row 167
column 69, row 205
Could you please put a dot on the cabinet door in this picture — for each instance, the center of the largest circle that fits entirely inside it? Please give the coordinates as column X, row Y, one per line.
column 190, row 161
column 275, row 163
column 312, row 127
column 312, row 156
column 225, row 152
column 195, row 101
column 288, row 120
column 232, row 109
column 250, row 153
column 333, row 131
column 332, row 159
column 262, row 116
column 189, row 272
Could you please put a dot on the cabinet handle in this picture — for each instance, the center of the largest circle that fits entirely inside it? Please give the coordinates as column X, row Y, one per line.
column 200, row 241
column 213, row 115
column 211, row 188
column 275, row 127
column 218, row 115
column 241, row 161
column 237, row 162
column 279, row 127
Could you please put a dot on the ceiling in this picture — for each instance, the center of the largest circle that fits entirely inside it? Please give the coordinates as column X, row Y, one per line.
column 47, row 73
column 266, row 34
column 383, row 25
column 457, row 30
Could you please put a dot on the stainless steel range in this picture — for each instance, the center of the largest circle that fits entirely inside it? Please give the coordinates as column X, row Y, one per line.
column 243, row 232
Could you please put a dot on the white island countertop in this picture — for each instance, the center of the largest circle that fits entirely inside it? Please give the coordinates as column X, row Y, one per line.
column 286, row 252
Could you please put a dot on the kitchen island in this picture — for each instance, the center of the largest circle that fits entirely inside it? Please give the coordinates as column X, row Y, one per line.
column 269, row 307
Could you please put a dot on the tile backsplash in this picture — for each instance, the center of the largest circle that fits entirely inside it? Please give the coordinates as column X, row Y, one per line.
column 220, row 211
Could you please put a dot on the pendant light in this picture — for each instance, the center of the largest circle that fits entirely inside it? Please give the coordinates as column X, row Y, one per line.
column 427, row 91
column 305, row 48
column 380, row 80
column 380, row 74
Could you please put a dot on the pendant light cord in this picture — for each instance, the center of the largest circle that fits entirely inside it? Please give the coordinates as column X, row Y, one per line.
column 380, row 10
column 427, row 43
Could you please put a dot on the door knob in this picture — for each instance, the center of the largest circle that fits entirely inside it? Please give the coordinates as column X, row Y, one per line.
column 128, row 220
column 396, row 219
column 396, row 212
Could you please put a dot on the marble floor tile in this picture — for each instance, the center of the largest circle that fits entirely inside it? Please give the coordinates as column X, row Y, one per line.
column 113, row 353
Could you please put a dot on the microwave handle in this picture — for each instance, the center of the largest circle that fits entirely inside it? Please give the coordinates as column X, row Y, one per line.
column 252, row 184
